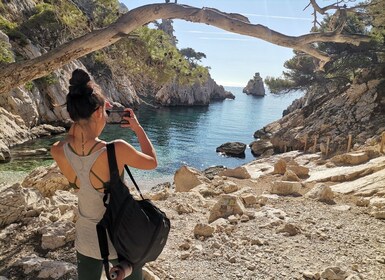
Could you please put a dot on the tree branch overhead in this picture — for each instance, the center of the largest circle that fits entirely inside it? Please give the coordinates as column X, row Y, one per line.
column 16, row 74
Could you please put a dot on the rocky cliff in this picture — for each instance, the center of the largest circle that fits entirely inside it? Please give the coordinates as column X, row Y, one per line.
column 174, row 94
column 329, row 116
column 40, row 101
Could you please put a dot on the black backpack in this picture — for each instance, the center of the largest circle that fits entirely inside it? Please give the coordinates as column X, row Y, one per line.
column 137, row 228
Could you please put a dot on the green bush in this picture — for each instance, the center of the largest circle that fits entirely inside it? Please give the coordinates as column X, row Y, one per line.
column 6, row 55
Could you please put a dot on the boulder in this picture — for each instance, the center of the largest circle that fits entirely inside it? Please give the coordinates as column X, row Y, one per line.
column 232, row 149
column 286, row 188
column 186, row 178
column 259, row 147
column 46, row 179
column 280, row 167
column 57, row 234
column 321, row 192
column 226, row 206
column 350, row 158
column 204, row 230
column 17, row 202
column 238, row 172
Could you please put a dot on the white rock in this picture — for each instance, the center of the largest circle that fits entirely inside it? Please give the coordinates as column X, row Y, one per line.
column 47, row 268
column 186, row 178
column 320, row 192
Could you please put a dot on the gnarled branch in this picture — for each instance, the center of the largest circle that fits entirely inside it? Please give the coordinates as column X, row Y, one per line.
column 15, row 74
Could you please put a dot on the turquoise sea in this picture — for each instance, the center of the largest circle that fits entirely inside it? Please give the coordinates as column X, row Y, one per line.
column 186, row 135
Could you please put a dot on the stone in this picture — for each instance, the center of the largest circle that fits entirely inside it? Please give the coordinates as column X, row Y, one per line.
column 249, row 199
column 16, row 201
column 204, row 230
column 232, row 149
column 48, row 269
column 259, row 147
column 299, row 170
column 148, row 274
column 226, row 206
column 321, row 192
column 354, row 158
column 46, row 179
column 229, row 187
column 280, row 167
column 238, row 172
column 290, row 176
column 289, row 229
column 333, row 273
column 186, row 178
column 286, row 188
column 57, row 234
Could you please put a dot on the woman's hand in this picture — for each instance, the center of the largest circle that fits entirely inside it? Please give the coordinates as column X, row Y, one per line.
column 132, row 121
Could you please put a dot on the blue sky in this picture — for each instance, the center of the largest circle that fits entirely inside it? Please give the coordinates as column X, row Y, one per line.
column 233, row 58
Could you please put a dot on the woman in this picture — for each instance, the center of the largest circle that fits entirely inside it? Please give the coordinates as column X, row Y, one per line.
column 82, row 158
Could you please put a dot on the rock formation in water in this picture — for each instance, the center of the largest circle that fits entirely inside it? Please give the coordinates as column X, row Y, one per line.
column 255, row 86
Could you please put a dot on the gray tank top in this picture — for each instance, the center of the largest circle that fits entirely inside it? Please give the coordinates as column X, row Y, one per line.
column 90, row 205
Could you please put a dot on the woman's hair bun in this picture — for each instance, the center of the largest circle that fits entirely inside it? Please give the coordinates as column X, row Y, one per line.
column 79, row 78
column 79, row 83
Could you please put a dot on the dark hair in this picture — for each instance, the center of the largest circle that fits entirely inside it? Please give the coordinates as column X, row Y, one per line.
column 84, row 96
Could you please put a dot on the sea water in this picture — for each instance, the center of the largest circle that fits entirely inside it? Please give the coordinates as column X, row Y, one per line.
column 190, row 135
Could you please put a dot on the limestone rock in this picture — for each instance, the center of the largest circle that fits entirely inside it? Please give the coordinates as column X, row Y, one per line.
column 16, row 201
column 148, row 274
column 350, row 158
column 226, row 206
column 300, row 171
column 238, row 172
column 48, row 269
column 186, row 95
column 57, row 234
column 232, row 148
column 46, row 179
column 259, row 147
column 255, row 86
column 290, row 176
column 280, row 167
column 186, row 178
column 286, row 188
column 204, row 230
column 321, row 192
column 229, row 187
column 334, row 273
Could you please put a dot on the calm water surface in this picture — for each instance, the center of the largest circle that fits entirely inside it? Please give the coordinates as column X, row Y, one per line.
column 188, row 136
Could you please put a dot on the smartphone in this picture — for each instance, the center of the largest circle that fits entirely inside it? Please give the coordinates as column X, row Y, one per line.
column 115, row 116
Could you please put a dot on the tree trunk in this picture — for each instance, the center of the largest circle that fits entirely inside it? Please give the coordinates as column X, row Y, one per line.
column 16, row 74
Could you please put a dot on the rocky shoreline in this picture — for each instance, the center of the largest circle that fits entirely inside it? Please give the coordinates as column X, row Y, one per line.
column 294, row 215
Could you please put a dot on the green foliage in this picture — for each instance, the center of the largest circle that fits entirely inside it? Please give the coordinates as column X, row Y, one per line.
column 29, row 86
column 149, row 57
column 192, row 56
column 347, row 60
column 11, row 29
column 278, row 85
column 50, row 79
column 105, row 12
column 6, row 55
column 54, row 22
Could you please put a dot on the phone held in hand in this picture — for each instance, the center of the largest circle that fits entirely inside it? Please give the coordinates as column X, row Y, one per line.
column 115, row 116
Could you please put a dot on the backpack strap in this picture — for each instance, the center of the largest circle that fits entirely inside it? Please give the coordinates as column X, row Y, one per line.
column 103, row 246
column 101, row 227
column 113, row 166
column 133, row 180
